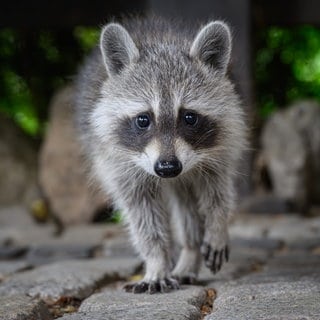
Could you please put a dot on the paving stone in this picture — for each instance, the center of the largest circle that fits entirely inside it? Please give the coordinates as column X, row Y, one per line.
column 263, row 203
column 283, row 275
column 298, row 260
column 242, row 261
column 278, row 300
column 21, row 307
column 18, row 228
column 256, row 243
column 28, row 235
column 9, row 267
column 287, row 227
column 5, row 238
column 273, row 272
column 74, row 278
column 15, row 216
column 292, row 266
column 176, row 305
column 250, row 226
column 44, row 254
column 304, row 244
column 118, row 246
column 36, row 234
column 295, row 228
column 12, row 251
column 76, row 242
column 93, row 234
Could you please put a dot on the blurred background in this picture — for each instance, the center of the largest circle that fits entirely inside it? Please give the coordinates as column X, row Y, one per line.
column 276, row 65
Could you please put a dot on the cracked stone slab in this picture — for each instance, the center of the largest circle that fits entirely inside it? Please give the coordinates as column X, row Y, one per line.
column 21, row 307
column 280, row 300
column 74, row 278
column 111, row 305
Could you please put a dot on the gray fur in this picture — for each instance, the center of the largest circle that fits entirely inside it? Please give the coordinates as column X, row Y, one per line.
column 117, row 48
column 165, row 69
column 213, row 46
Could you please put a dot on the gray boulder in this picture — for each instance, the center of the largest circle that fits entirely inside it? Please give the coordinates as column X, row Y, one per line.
column 291, row 151
column 62, row 172
column 18, row 165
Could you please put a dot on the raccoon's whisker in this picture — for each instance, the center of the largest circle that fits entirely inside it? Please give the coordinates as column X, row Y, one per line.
column 203, row 137
column 216, row 164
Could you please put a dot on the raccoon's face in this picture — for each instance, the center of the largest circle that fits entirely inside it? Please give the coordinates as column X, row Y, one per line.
column 164, row 109
column 168, row 143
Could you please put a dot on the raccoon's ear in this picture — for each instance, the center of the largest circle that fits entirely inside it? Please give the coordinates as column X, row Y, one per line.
column 212, row 46
column 117, row 48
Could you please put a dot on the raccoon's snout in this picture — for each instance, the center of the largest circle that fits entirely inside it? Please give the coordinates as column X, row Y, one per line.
column 168, row 168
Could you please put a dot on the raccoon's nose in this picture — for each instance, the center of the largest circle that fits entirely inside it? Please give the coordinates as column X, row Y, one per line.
column 168, row 168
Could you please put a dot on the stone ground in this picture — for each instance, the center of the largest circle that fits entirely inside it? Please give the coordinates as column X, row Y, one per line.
column 273, row 273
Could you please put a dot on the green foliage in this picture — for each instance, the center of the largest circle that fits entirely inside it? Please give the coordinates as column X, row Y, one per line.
column 15, row 95
column 87, row 37
column 34, row 64
column 287, row 66
column 116, row 217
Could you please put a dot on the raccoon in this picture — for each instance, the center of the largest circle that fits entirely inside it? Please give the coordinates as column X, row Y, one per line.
column 163, row 129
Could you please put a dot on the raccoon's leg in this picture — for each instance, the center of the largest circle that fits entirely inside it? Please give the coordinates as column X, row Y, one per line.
column 188, row 227
column 150, row 232
column 216, row 202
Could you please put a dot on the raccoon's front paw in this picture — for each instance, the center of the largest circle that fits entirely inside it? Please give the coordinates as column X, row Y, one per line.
column 160, row 285
column 214, row 257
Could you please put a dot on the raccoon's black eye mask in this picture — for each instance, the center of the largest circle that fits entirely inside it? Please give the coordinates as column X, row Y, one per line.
column 197, row 130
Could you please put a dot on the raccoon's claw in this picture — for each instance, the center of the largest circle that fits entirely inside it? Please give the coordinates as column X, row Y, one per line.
column 214, row 258
column 163, row 285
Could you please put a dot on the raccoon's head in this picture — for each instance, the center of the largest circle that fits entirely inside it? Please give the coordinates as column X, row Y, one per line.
column 167, row 105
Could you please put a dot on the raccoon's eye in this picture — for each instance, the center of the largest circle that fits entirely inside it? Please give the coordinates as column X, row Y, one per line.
column 190, row 118
column 143, row 121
